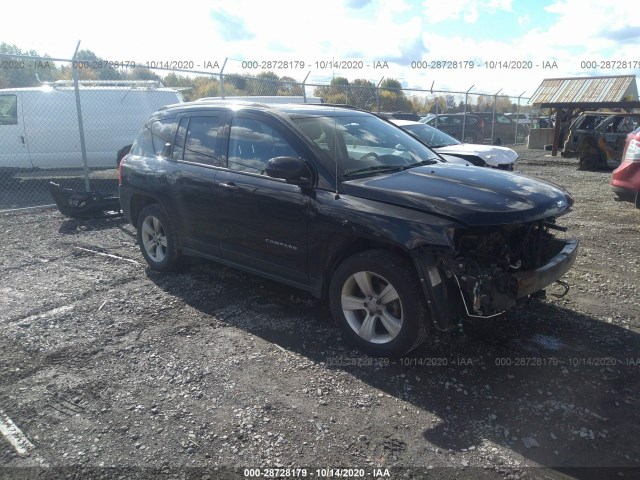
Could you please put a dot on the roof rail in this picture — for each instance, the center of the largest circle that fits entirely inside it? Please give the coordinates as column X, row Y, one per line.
column 247, row 103
column 341, row 105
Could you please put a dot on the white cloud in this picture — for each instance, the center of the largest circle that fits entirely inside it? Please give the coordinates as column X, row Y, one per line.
column 320, row 31
column 437, row 11
column 467, row 10
column 499, row 5
column 524, row 21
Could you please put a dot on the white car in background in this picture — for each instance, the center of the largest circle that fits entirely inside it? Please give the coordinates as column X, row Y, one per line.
column 480, row 155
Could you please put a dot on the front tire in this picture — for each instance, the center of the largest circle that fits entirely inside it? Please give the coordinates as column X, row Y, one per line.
column 157, row 239
column 377, row 301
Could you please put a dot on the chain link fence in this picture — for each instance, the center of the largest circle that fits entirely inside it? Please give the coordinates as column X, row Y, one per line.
column 70, row 121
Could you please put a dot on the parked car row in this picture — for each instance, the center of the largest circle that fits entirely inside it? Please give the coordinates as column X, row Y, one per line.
column 480, row 127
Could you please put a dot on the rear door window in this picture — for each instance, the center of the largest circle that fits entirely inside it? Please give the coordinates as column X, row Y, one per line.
column 152, row 138
column 161, row 134
column 201, row 141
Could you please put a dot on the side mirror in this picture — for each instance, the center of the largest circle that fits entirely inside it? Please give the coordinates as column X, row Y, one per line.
column 293, row 170
column 166, row 151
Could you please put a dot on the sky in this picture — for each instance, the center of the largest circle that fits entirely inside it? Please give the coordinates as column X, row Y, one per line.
column 488, row 46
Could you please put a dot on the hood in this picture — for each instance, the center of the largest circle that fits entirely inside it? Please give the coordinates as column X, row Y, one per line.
column 491, row 155
column 471, row 195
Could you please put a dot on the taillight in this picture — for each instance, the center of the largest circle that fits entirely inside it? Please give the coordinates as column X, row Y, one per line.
column 633, row 151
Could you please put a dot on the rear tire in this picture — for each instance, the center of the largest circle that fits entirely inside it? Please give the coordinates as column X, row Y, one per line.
column 378, row 303
column 157, row 239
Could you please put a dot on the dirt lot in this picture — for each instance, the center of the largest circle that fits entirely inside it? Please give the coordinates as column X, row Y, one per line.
column 108, row 364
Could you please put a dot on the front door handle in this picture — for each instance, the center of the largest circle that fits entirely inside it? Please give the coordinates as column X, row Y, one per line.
column 22, row 139
column 229, row 186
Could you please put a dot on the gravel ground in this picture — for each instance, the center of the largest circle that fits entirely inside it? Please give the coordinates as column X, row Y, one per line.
column 111, row 370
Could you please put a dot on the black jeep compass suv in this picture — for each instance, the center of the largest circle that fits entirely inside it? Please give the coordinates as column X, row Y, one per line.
column 345, row 205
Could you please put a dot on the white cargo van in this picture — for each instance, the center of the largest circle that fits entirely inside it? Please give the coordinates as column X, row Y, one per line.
column 39, row 126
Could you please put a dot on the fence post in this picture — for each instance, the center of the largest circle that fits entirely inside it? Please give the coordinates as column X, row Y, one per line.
column 464, row 115
column 222, row 78
column 83, row 148
column 493, row 114
column 515, row 140
column 304, row 87
column 378, row 95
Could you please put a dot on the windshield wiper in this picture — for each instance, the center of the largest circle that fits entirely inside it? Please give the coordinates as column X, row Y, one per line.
column 422, row 163
column 375, row 169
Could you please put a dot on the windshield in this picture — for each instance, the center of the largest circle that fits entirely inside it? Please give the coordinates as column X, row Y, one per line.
column 432, row 137
column 365, row 145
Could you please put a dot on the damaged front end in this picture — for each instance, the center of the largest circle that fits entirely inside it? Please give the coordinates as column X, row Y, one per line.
column 492, row 267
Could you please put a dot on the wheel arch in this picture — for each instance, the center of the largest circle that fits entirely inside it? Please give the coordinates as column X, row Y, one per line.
column 441, row 296
column 352, row 247
column 137, row 203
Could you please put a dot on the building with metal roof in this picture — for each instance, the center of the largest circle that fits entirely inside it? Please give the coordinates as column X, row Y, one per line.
column 586, row 92
column 570, row 96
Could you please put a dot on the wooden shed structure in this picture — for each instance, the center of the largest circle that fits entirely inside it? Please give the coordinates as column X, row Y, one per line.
column 571, row 96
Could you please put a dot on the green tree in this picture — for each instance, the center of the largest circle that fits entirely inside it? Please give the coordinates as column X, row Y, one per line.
column 392, row 97
column 289, row 86
column 391, row 84
column 263, row 84
column 363, row 94
column 392, row 101
column 27, row 72
column 238, row 81
column 181, row 82
column 142, row 73
column 336, row 92
column 437, row 105
column 94, row 70
column 204, row 87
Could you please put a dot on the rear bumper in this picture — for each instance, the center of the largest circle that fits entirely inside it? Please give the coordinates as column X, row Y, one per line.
column 79, row 204
column 533, row 281
column 625, row 181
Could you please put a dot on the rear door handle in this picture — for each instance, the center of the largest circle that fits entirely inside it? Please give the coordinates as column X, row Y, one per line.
column 22, row 139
